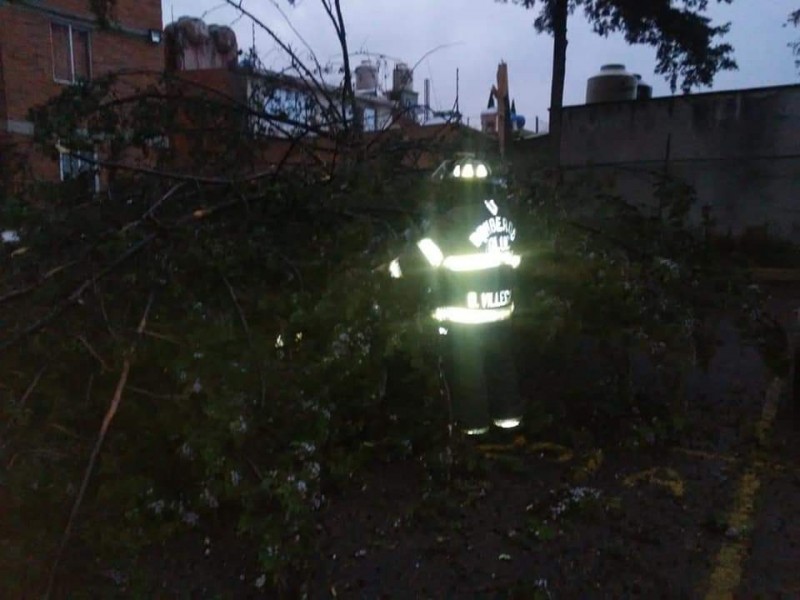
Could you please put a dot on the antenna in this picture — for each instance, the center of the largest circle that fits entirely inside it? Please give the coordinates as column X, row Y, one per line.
column 457, row 85
column 172, row 11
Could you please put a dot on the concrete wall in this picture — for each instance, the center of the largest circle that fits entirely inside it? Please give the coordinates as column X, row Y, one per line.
column 740, row 150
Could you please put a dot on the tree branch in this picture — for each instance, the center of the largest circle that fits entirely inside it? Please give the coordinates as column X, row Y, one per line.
column 109, row 417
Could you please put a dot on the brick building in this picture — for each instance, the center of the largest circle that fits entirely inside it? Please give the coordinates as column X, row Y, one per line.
column 46, row 45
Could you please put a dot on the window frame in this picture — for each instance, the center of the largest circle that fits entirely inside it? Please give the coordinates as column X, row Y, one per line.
column 76, row 155
column 71, row 29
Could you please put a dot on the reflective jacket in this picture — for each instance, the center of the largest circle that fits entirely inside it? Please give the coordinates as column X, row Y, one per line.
column 470, row 253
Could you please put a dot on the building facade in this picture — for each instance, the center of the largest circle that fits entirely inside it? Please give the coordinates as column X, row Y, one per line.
column 46, row 45
column 277, row 118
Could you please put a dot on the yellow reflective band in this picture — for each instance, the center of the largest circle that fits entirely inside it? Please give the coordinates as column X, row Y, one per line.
column 472, row 316
column 481, row 261
column 431, row 251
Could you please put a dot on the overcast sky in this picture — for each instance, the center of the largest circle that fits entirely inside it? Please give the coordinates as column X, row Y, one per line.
column 477, row 34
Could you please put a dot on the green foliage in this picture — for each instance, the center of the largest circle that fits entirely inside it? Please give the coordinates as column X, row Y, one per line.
column 684, row 38
column 258, row 377
column 258, row 386
column 623, row 303
column 794, row 19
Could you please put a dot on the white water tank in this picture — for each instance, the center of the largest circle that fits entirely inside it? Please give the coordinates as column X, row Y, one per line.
column 366, row 76
column 612, row 84
column 402, row 78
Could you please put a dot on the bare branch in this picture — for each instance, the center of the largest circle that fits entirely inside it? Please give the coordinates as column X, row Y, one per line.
column 93, row 352
column 26, row 395
column 246, row 328
column 39, row 283
column 76, row 294
column 295, row 59
column 109, row 417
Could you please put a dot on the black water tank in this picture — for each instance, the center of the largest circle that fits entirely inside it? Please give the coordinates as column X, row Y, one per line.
column 612, row 84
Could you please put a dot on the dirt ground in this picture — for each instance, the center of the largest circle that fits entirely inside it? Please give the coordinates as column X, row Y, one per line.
column 712, row 515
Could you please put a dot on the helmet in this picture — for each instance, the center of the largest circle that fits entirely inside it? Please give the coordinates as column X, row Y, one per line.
column 465, row 167
column 464, row 180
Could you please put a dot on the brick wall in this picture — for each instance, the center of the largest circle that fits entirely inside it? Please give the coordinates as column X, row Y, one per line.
column 28, row 58
column 139, row 14
column 26, row 55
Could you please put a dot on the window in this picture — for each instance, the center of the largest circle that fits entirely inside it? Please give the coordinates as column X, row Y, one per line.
column 72, row 55
column 287, row 112
column 79, row 166
column 292, row 105
column 370, row 119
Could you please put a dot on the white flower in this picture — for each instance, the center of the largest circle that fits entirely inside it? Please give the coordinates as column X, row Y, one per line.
column 261, row 581
column 157, row 507
column 197, row 387
column 236, row 478
column 186, row 451
column 239, row 426
column 209, row 498
column 190, row 518
column 670, row 265
column 9, row 237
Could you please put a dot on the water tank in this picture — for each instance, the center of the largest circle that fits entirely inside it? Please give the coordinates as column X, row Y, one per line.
column 612, row 84
column 403, row 78
column 644, row 91
column 366, row 76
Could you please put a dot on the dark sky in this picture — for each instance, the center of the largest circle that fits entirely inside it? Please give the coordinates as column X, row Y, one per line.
column 477, row 34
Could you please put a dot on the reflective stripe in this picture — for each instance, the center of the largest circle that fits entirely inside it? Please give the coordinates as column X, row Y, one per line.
column 472, row 316
column 508, row 423
column 480, row 261
column 465, row 262
column 394, row 269
column 477, row 431
column 431, row 251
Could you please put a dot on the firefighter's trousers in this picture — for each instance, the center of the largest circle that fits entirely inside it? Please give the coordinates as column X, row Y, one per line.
column 481, row 374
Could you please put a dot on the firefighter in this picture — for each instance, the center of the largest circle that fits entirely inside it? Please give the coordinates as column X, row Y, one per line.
column 467, row 249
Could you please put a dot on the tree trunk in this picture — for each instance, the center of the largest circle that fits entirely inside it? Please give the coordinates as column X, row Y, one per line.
column 560, row 12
